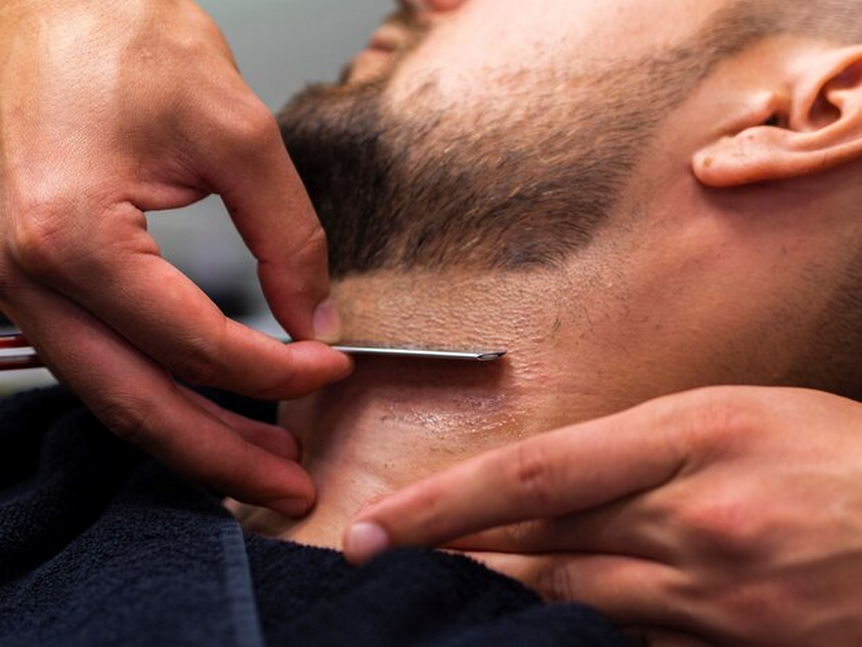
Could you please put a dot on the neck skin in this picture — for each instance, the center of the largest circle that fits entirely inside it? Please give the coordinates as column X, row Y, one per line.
column 584, row 341
column 684, row 287
column 397, row 420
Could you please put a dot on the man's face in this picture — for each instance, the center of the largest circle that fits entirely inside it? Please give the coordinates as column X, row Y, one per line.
column 465, row 49
column 488, row 177
column 518, row 175
column 501, row 135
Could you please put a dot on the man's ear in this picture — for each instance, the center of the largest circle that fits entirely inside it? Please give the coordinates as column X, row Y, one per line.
column 813, row 124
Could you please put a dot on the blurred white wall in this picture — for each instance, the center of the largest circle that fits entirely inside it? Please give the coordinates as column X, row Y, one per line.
column 280, row 45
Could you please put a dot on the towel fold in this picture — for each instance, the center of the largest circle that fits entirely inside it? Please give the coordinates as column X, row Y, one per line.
column 100, row 545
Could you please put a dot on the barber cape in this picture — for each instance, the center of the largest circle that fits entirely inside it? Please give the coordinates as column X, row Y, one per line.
column 100, row 545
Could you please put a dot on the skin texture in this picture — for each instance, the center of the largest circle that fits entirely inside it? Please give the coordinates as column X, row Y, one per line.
column 105, row 115
column 446, row 193
column 690, row 512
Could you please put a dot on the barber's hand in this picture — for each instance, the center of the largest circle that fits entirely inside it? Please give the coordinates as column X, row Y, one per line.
column 729, row 516
column 112, row 109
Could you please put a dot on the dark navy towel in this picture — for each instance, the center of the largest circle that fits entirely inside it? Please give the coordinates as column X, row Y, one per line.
column 100, row 545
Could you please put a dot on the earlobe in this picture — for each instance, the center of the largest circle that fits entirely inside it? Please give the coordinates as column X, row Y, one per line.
column 815, row 127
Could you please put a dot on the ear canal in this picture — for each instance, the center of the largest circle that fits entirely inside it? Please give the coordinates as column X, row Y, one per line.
column 819, row 127
column 828, row 102
column 825, row 98
column 823, row 113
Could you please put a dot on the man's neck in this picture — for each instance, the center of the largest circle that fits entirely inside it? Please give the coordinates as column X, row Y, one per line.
column 395, row 421
column 392, row 423
column 629, row 320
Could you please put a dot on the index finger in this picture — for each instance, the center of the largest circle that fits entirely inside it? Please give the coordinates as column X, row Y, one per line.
column 250, row 168
column 573, row 469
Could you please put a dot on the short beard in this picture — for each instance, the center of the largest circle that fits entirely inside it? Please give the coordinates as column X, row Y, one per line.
column 498, row 187
column 399, row 194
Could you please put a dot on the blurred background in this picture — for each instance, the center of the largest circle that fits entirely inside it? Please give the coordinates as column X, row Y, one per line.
column 281, row 46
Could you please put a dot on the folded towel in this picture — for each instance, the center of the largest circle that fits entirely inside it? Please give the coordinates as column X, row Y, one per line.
column 100, row 545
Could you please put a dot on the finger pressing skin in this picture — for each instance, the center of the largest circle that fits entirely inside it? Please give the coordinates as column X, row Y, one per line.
column 571, row 470
column 245, row 161
column 627, row 590
column 139, row 401
column 140, row 293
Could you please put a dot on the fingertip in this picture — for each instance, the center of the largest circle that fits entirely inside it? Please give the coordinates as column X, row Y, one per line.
column 327, row 323
column 299, row 494
column 347, row 365
column 295, row 294
column 319, row 356
column 295, row 506
column 364, row 540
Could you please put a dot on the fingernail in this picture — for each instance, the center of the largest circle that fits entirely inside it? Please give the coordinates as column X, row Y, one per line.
column 327, row 323
column 291, row 507
column 365, row 540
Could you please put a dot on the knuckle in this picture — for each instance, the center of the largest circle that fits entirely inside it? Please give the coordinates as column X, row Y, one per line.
column 203, row 24
column 725, row 525
column 196, row 363
column 43, row 240
column 554, row 582
column 532, row 475
column 313, row 244
column 753, row 610
column 721, row 419
column 432, row 501
column 253, row 126
column 195, row 33
column 128, row 417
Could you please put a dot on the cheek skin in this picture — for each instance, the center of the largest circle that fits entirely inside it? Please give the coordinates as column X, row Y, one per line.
column 484, row 37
